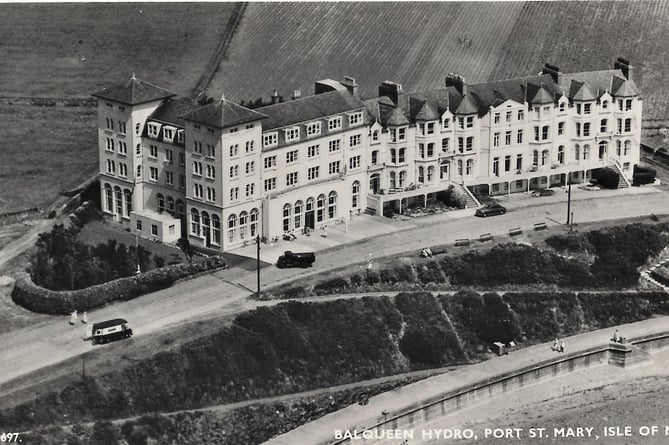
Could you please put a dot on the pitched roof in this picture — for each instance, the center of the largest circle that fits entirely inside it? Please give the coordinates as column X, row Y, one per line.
column 222, row 114
column 623, row 88
column 170, row 111
column 421, row 110
column 309, row 108
column 580, row 91
column 467, row 105
column 539, row 95
column 396, row 118
column 134, row 92
column 597, row 81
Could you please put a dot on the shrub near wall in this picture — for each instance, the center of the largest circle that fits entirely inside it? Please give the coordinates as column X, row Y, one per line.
column 45, row 301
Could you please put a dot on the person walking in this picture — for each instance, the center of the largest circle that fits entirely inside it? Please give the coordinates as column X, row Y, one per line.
column 562, row 346
column 73, row 317
column 555, row 345
column 84, row 318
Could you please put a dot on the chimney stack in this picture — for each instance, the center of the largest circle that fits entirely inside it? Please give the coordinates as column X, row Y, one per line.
column 351, row 85
column 457, row 81
column 275, row 97
column 624, row 65
column 390, row 89
column 553, row 70
column 297, row 94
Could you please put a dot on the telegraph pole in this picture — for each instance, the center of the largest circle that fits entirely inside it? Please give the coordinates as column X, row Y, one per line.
column 569, row 201
column 258, row 261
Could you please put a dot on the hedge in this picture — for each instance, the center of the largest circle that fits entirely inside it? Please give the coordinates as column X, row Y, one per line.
column 45, row 301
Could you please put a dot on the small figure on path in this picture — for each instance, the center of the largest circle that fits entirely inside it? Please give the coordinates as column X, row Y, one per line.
column 370, row 264
column 555, row 345
column 84, row 317
column 562, row 346
column 73, row 317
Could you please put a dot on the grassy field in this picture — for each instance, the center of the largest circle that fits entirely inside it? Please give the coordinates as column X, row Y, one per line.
column 580, row 36
column 64, row 50
column 286, row 46
column 44, row 150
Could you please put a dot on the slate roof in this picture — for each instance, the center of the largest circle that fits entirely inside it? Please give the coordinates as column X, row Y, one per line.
column 222, row 114
column 309, row 108
column 539, row 95
column 598, row 81
column 580, row 91
column 421, row 110
column 134, row 92
column 623, row 88
column 171, row 110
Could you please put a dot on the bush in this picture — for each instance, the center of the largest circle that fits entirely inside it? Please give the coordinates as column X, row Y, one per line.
column 38, row 299
column 606, row 177
column 643, row 175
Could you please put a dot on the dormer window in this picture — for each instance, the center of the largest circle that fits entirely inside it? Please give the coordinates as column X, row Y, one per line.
column 313, row 129
column 153, row 129
column 168, row 133
column 334, row 123
column 447, row 123
column 355, row 118
column 605, row 105
column 292, row 134
column 562, row 106
column 270, row 139
column 180, row 136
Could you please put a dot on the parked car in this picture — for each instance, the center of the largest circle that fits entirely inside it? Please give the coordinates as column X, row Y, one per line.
column 589, row 187
column 543, row 192
column 293, row 259
column 491, row 210
column 109, row 330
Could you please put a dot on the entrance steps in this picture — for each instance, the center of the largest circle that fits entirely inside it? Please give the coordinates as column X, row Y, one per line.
column 370, row 211
column 470, row 200
column 623, row 182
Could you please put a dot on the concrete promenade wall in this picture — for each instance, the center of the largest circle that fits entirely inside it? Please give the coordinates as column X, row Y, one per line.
column 427, row 400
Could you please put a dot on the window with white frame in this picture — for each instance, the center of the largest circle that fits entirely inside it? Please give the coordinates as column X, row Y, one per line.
column 138, row 149
column 270, row 162
column 519, row 137
column 429, row 129
column 334, row 123
column 470, row 121
column 270, row 184
column 198, row 191
column 153, row 129
column 560, row 129
column 445, row 144
column 446, row 124
column 312, row 151
column 508, row 116
column 211, row 151
column 153, row 151
column 169, row 178
column 544, row 132
column 153, row 173
column 291, row 157
column 138, row 128
column 110, row 123
column 110, row 144
column 122, row 148
column 605, row 105
column 521, row 115
column 603, row 126
column 355, row 140
column 354, row 162
column 469, row 143
column 250, row 167
column 249, row 146
column 313, row 173
column 586, row 108
column 507, row 138
column 168, row 133
column 182, row 159
column 234, row 150
column 111, row 166
column 495, row 140
column 122, row 127
column 496, row 118
column 168, row 155
column 334, row 145
column 355, row 118
column 250, row 189
column 292, row 134
column 586, row 129
column 180, row 136
column 197, row 147
column 291, row 178
column 197, row 168
column 234, row 193
column 234, row 171
column 334, row 167
column 139, row 171
column 313, row 129
column 211, row 172
column 270, row 139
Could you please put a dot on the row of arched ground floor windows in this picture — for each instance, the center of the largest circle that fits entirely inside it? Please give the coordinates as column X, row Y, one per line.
column 239, row 228
column 117, row 201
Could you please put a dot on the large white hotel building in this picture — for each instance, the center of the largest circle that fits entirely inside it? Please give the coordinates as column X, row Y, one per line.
column 226, row 173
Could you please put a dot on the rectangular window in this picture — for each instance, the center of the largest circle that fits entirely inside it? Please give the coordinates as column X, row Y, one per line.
column 628, row 104
column 544, row 133
column 169, row 178
column 445, row 144
column 354, row 162
column 519, row 137
column 122, row 127
column 197, row 168
column 234, row 193
column 507, row 163
column 313, row 129
column 521, row 115
column 197, row 147
column 153, row 173
column 508, row 117
column 153, row 151
column 536, row 133
column 603, row 128
column 578, row 129
column 197, row 191
column 312, row 151
column 154, row 230
column 560, row 128
column 430, row 128
column 270, row 184
column 249, row 146
column 122, row 148
column 270, row 139
column 461, row 123
column 401, row 134
column 586, row 108
column 250, row 167
column 355, row 140
column 334, row 145
column 211, row 193
column 292, row 134
column 334, row 123
column 496, row 118
column 470, row 121
column 628, row 125
column 291, row 178
column 211, row 151
column 182, row 182
column 495, row 166
column 586, row 129
column 168, row 155
column 446, row 124
column 250, row 188
column 182, row 159
column 153, row 129
column 234, row 150
column 470, row 143
column 312, row 173
column 291, row 157
column 234, row 171
column 139, row 225
column 270, row 162
column 334, row 167
column 507, row 138
column 519, row 162
column 355, row 119
column 495, row 140
column 110, row 123
column 461, row 145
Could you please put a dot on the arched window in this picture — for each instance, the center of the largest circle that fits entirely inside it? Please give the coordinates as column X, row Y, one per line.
column 139, row 171
column 355, row 195
column 206, row 227
column 320, row 205
column 375, row 135
column 332, row 205
column 215, row 230
column 602, row 150
column 286, row 217
column 109, row 199
column 375, row 157
column 194, row 222
column 243, row 224
column 232, row 227
column 254, row 222
column 393, row 182
column 470, row 166
column 297, row 211
column 421, row 175
column 128, row 202
column 310, row 204
column 403, row 178
column 170, row 204
column 119, row 201
column 161, row 202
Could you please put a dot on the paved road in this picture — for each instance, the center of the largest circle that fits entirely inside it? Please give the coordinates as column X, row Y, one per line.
column 50, row 342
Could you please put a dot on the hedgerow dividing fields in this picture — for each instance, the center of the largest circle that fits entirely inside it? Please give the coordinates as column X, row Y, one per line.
column 583, row 36
column 287, row 46
column 72, row 50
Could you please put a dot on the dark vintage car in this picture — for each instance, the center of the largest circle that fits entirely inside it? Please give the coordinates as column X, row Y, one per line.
column 543, row 192
column 491, row 210
column 109, row 330
column 293, row 259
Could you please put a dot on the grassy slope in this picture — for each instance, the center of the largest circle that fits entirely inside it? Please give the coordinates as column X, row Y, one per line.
column 64, row 50
column 287, row 46
column 581, row 36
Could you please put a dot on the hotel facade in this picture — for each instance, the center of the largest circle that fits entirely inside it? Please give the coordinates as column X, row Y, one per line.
column 222, row 174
